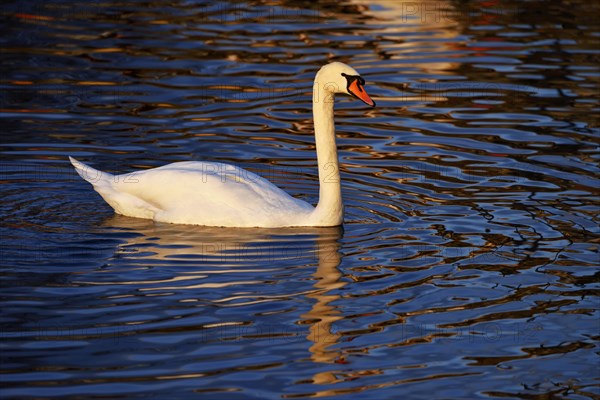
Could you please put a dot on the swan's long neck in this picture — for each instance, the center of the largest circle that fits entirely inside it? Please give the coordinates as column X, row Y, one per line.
column 329, row 211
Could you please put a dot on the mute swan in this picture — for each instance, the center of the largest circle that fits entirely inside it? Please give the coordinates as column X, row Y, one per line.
column 215, row 194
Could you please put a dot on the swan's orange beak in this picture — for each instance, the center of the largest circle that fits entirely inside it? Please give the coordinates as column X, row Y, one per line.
column 358, row 91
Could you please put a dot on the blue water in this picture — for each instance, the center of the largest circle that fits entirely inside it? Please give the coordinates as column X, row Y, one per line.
column 467, row 265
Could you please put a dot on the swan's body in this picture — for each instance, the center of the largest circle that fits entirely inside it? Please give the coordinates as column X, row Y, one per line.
column 215, row 194
column 200, row 193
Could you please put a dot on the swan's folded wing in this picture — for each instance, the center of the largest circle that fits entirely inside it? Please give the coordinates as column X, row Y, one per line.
column 216, row 193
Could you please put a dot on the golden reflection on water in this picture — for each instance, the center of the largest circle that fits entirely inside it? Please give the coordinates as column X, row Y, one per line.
column 395, row 19
column 322, row 315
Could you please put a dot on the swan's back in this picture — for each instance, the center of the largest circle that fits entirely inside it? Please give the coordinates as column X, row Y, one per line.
column 201, row 193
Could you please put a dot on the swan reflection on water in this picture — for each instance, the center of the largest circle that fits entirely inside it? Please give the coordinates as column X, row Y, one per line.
column 257, row 255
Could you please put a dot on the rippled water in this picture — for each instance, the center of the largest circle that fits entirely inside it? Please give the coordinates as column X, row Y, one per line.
column 467, row 266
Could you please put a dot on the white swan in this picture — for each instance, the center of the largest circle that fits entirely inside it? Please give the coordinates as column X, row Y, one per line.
column 215, row 194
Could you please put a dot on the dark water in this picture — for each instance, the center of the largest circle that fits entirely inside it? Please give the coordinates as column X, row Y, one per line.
column 467, row 266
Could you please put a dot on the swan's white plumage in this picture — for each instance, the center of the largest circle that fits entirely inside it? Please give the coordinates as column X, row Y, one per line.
column 188, row 192
column 215, row 194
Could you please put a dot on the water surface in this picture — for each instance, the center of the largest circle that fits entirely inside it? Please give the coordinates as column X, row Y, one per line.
column 467, row 266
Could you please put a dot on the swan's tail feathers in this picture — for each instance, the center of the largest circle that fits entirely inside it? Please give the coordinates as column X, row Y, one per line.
column 93, row 176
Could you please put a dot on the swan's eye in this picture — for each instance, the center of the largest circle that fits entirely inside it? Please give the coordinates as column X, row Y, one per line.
column 352, row 78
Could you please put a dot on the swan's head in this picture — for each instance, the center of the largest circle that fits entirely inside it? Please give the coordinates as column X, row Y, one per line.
column 338, row 77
